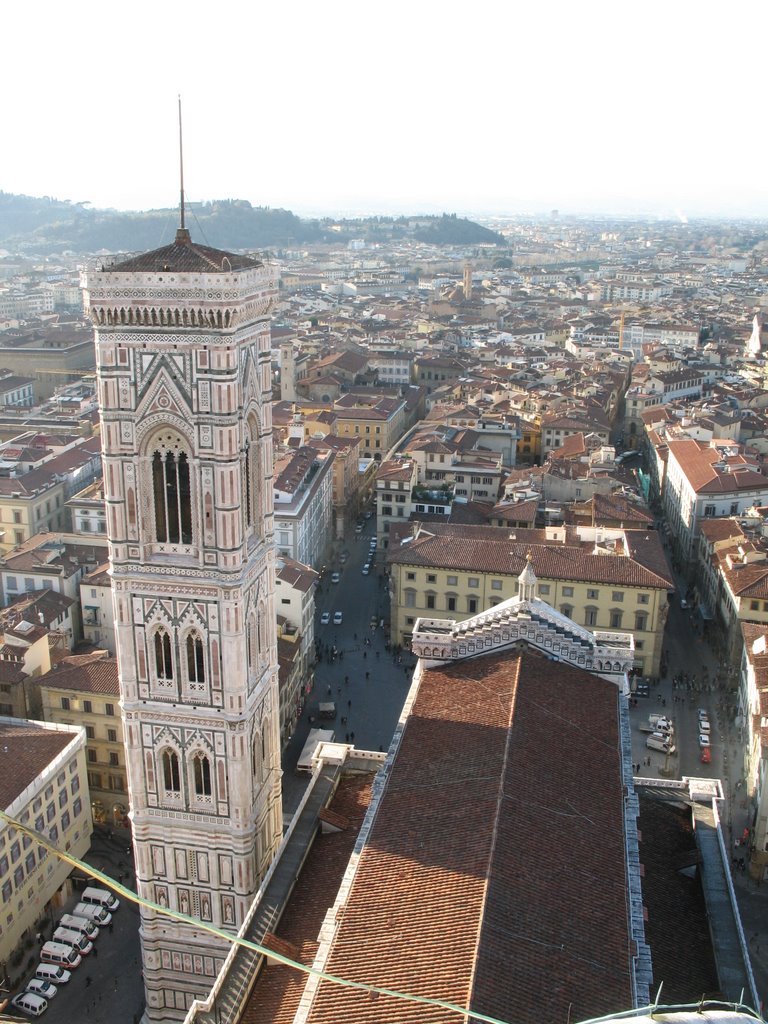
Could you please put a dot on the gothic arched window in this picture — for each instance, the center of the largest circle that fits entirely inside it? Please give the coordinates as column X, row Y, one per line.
column 195, row 659
column 172, row 497
column 252, row 482
column 171, row 774
column 163, row 655
column 248, row 504
column 201, row 770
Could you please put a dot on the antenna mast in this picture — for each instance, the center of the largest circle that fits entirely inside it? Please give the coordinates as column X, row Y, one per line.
column 181, row 169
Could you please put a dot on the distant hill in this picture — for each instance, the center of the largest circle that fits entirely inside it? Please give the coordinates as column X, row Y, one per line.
column 50, row 225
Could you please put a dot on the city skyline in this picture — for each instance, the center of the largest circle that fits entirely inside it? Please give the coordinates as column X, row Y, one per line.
column 418, row 108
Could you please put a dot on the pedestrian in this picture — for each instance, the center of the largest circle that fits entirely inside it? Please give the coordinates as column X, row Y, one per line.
column 367, row 675
column 88, row 978
column 330, row 690
column 95, row 951
column 349, row 703
column 352, row 737
column 346, row 736
column 110, row 927
column 365, row 654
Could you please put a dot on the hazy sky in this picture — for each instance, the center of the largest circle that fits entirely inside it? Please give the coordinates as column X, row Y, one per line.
column 421, row 105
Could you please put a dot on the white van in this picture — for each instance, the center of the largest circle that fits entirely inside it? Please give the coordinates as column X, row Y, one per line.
column 100, row 898
column 83, row 925
column 61, row 954
column 41, row 988
column 29, row 1002
column 658, row 741
column 80, row 942
column 93, row 912
column 51, row 972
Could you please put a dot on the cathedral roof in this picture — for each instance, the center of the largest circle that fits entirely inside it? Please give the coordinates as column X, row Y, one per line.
column 185, row 257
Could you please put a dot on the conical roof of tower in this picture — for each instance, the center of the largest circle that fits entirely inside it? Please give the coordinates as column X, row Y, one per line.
column 185, row 257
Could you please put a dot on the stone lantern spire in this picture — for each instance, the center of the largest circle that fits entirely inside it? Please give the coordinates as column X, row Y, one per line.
column 527, row 581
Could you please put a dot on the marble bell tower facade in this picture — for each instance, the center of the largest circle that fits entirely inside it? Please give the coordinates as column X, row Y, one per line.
column 184, row 370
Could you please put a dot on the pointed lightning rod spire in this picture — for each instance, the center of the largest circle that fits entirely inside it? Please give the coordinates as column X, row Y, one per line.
column 182, row 235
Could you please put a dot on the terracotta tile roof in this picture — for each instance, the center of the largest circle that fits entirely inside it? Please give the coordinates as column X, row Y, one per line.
column 750, row 580
column 396, row 469
column 614, row 508
column 25, row 750
column 491, row 549
column 484, row 835
column 277, row 991
column 698, row 462
column 721, row 529
column 184, row 256
column 294, row 573
column 572, row 447
column 91, row 673
column 517, row 511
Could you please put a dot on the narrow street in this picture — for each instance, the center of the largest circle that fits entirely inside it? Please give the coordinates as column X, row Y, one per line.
column 691, row 655
column 367, row 683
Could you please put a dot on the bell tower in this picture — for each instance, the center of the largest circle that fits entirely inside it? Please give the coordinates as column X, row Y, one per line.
column 183, row 355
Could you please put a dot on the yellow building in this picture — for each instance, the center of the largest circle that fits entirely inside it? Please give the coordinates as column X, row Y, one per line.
column 529, row 443
column 42, row 785
column 376, row 420
column 85, row 691
column 604, row 579
column 28, row 508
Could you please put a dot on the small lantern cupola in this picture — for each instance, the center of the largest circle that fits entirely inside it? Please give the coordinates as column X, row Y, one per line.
column 527, row 581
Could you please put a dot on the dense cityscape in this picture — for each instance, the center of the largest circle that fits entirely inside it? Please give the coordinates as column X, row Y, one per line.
column 390, row 593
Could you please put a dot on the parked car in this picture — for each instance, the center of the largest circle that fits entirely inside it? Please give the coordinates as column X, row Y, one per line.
column 99, row 915
column 706, row 755
column 366, row 568
column 99, row 898
column 704, row 725
column 335, row 577
column 325, row 618
column 703, row 739
column 52, row 973
column 337, row 618
column 41, row 988
column 31, row 1003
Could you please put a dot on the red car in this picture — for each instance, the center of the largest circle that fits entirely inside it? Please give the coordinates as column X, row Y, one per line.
column 706, row 755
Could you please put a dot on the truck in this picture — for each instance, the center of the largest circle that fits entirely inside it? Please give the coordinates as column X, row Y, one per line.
column 315, row 738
